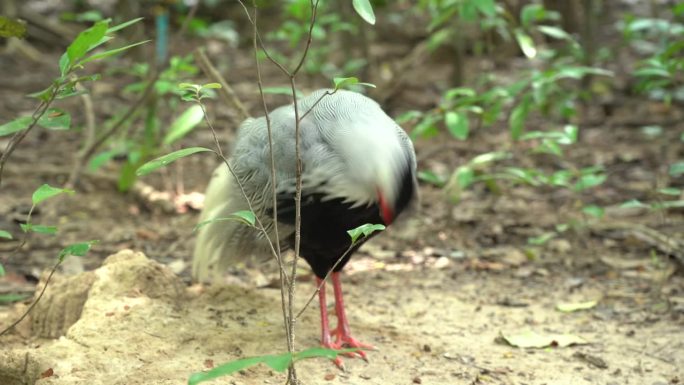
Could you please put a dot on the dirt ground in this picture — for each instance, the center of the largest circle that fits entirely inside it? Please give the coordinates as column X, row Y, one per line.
column 434, row 295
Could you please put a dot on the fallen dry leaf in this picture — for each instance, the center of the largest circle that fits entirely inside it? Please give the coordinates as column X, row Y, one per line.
column 575, row 306
column 530, row 339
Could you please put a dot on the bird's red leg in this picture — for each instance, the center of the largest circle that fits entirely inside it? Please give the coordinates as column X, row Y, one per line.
column 325, row 326
column 342, row 333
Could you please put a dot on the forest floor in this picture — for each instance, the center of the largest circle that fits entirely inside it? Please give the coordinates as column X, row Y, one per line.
column 436, row 296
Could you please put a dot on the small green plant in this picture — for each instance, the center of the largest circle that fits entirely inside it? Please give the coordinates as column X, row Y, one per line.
column 79, row 53
column 139, row 146
column 294, row 31
column 80, row 249
column 659, row 75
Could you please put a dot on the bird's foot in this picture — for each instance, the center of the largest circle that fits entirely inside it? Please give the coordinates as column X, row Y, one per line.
column 346, row 341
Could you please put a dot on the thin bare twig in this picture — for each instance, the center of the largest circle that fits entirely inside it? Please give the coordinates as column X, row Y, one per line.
column 90, row 150
column 34, row 303
column 325, row 279
column 226, row 91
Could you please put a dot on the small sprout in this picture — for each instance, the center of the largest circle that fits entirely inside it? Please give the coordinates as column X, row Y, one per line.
column 46, row 191
column 77, row 249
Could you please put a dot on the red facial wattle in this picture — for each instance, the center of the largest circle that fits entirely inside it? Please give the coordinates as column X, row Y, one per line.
column 386, row 211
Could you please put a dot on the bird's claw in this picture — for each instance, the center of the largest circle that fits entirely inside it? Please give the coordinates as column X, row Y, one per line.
column 343, row 341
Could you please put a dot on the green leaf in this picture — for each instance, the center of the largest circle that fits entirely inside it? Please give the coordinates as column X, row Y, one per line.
column 167, row 159
column 652, row 71
column 184, row 124
column 5, row 234
column 245, row 216
column 432, row 178
column 55, row 119
column 282, row 91
column 189, row 87
column 593, row 210
column 542, row 239
column 231, row 367
column 10, row 298
column 102, row 158
column 486, row 7
column 672, row 191
column 488, row 157
column 40, row 229
column 516, row 122
column 111, row 52
column 573, row 307
column 76, row 249
column 408, row 116
column 669, row 204
column 465, row 176
column 123, row 25
column 12, row 28
column 277, row 362
column 588, row 181
column 16, row 125
column 457, row 92
column 571, row 134
column 341, row 83
column 365, row 230
column 633, row 203
column 365, row 10
column 676, row 169
column 83, row 42
column 526, row 43
column 554, row 32
column 46, row 191
column 426, row 127
column 530, row 13
column 458, row 124
column 2, row 270
column 63, row 64
column 211, row 85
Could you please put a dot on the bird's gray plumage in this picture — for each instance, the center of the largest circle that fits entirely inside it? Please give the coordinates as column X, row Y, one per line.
column 350, row 149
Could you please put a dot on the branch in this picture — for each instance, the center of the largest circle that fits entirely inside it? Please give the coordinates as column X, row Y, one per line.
column 19, row 136
column 87, row 152
column 226, row 91
column 34, row 303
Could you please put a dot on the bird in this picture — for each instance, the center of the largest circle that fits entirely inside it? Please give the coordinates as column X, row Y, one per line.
column 358, row 167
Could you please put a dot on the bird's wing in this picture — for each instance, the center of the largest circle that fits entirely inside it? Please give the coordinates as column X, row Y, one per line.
column 223, row 243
